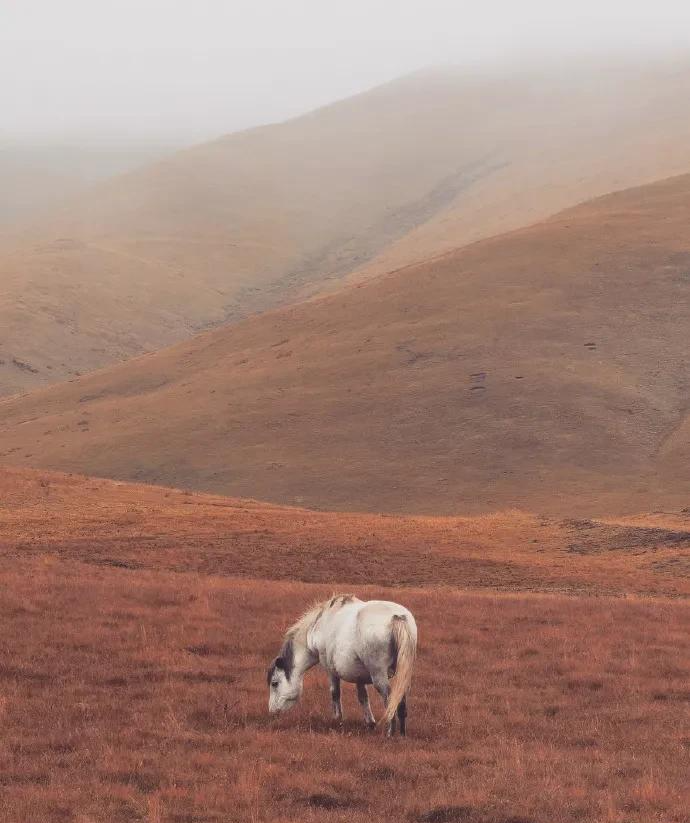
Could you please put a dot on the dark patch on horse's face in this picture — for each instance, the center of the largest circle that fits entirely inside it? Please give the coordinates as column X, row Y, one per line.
column 287, row 658
column 270, row 672
column 285, row 662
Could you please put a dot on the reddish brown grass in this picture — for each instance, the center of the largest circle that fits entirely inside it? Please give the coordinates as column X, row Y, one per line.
column 102, row 522
column 138, row 694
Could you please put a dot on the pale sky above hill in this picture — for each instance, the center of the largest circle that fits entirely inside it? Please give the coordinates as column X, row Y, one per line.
column 188, row 70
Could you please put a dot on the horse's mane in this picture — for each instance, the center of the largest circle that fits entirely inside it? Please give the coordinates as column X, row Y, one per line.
column 299, row 629
column 312, row 614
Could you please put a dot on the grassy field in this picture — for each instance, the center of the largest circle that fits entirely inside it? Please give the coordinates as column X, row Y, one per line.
column 135, row 691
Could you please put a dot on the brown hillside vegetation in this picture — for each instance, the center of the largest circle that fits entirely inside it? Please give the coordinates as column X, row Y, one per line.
column 107, row 523
column 544, row 370
column 274, row 214
column 132, row 668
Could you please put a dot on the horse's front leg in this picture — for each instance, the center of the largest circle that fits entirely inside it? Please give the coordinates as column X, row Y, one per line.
column 363, row 697
column 335, row 697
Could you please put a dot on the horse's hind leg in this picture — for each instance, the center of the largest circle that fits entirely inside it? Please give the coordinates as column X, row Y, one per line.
column 402, row 716
column 383, row 687
column 363, row 697
column 335, row 697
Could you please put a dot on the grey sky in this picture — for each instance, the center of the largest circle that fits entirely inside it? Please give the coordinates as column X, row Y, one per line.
column 187, row 70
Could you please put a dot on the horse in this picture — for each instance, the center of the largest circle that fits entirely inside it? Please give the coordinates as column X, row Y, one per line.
column 361, row 642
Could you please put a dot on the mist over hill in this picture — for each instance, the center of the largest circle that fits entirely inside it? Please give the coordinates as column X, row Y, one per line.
column 38, row 178
column 280, row 213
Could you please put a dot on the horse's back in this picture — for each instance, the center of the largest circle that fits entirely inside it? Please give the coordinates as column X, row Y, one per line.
column 377, row 615
column 374, row 625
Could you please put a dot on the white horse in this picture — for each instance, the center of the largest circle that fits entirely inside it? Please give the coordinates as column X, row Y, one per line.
column 356, row 641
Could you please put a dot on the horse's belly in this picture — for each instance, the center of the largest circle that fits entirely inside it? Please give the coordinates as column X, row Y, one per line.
column 351, row 669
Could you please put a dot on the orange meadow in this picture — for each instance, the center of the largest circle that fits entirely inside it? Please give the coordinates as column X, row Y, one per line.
column 138, row 694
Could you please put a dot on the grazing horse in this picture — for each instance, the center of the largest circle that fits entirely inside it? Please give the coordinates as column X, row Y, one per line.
column 354, row 640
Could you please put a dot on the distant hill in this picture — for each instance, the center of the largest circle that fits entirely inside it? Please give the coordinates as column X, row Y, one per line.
column 279, row 213
column 544, row 369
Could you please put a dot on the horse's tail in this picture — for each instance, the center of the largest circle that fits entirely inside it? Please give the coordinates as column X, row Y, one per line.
column 406, row 647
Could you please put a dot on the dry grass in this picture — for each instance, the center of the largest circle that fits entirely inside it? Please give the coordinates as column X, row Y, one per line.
column 138, row 693
column 142, row 527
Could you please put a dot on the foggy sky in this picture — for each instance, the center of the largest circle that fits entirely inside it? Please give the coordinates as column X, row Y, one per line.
column 187, row 70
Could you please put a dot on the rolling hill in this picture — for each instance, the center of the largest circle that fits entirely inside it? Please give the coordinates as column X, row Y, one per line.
column 544, row 369
column 270, row 216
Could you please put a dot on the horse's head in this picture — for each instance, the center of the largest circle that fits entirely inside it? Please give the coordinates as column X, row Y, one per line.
column 284, row 683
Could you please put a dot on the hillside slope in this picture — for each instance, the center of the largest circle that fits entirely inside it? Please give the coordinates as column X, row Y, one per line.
column 269, row 216
column 545, row 369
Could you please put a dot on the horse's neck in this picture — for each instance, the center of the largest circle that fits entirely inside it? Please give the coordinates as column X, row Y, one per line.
column 305, row 655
